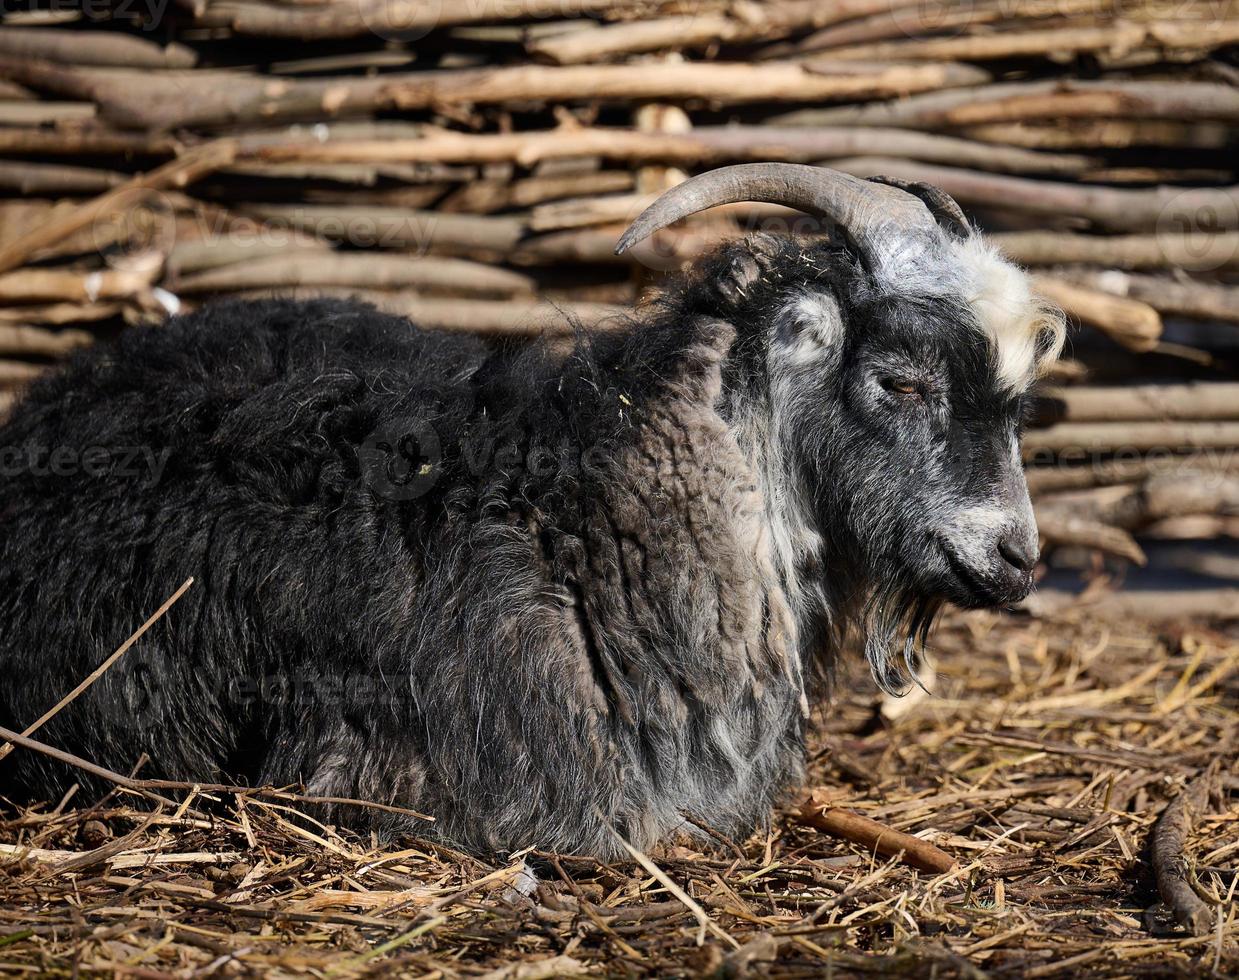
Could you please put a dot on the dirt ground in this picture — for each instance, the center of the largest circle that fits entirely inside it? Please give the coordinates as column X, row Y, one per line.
column 1041, row 764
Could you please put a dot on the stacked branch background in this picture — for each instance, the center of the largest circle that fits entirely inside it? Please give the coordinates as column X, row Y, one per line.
column 471, row 164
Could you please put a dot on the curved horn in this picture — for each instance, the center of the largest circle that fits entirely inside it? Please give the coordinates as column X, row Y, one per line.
column 869, row 211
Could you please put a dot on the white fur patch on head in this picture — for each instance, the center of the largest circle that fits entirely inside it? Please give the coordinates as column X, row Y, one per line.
column 1026, row 332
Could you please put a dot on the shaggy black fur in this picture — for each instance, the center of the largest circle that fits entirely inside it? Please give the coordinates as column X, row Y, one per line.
column 496, row 584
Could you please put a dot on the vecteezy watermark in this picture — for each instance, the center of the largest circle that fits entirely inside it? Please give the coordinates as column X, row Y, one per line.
column 1198, row 228
column 402, row 463
column 401, row 20
column 139, row 463
column 405, row 462
column 143, row 221
column 308, row 688
column 936, row 18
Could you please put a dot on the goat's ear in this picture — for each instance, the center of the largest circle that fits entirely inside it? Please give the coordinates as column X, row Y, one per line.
column 750, row 261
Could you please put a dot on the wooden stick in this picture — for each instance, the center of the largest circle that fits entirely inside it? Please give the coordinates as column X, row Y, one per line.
column 384, row 227
column 1176, row 296
column 511, row 317
column 724, row 83
column 1118, row 209
column 1140, row 605
column 1135, row 325
column 1116, row 37
column 71, row 142
column 14, row 374
column 1021, row 101
column 1064, row 528
column 95, row 674
column 699, row 30
column 389, row 19
column 22, row 341
column 1103, row 134
column 1166, row 848
column 703, row 918
column 358, row 270
column 57, row 179
column 874, row 836
column 94, row 48
column 1135, row 403
column 703, row 146
column 1168, row 251
column 179, row 172
column 38, row 285
column 1093, row 437
column 203, row 98
column 1051, row 479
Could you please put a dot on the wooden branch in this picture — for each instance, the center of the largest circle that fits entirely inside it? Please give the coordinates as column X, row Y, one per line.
column 1096, row 437
column 483, row 197
column 179, row 172
column 1058, row 527
column 71, row 142
column 58, row 313
column 516, row 317
column 1135, row 325
column 387, row 18
column 1103, row 134
column 1052, row 479
column 1163, row 496
column 205, row 98
column 745, row 23
column 819, row 814
column 64, row 285
column 902, row 20
column 360, row 270
column 1168, row 251
column 39, row 113
column 1116, row 38
column 15, row 374
column 93, row 48
column 1004, row 102
column 703, row 146
column 725, row 84
column 1138, row 403
column 56, row 179
column 1175, row 101
column 1118, row 209
column 20, row 341
column 631, row 37
column 501, row 317
column 246, row 245
column 1167, row 842
column 1178, row 297
column 383, row 227
column 1141, row 605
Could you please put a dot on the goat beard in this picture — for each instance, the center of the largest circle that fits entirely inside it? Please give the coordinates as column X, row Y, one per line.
column 896, row 626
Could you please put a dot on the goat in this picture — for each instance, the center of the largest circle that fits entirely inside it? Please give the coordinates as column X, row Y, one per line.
column 553, row 600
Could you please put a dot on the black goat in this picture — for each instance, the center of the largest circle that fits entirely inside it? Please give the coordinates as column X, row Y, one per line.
column 548, row 599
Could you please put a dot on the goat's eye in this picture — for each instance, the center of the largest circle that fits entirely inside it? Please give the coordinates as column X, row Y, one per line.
column 904, row 388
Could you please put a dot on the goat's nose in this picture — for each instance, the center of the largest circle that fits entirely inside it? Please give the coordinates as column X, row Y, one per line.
column 1019, row 551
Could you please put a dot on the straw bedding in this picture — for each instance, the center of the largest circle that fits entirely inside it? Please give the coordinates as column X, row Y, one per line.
column 1042, row 763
